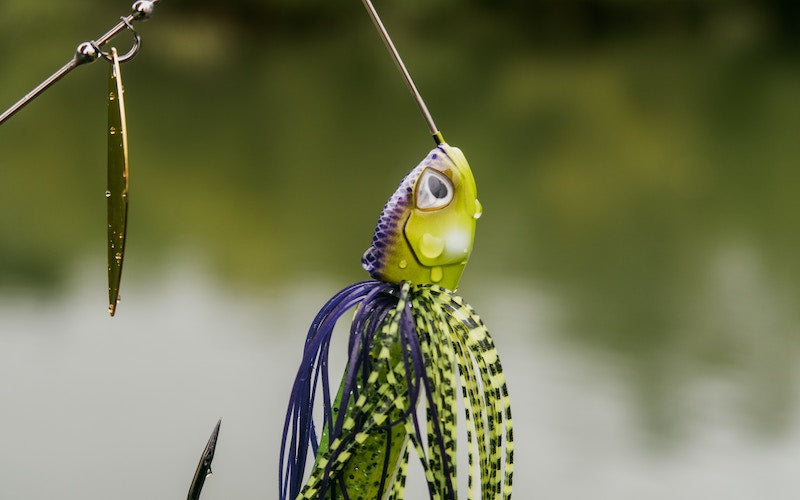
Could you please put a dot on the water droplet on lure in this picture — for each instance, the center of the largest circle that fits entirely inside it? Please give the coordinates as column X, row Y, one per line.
column 430, row 246
column 478, row 209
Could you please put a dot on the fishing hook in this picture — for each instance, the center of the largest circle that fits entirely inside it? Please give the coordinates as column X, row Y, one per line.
column 87, row 52
column 204, row 466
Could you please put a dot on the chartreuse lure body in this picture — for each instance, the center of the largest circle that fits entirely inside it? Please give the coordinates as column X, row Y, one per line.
column 426, row 230
column 412, row 339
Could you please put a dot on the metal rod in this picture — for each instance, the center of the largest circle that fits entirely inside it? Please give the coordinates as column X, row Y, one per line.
column 33, row 94
column 437, row 136
column 142, row 10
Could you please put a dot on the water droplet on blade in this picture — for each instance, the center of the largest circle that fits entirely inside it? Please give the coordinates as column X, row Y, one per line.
column 108, row 194
column 112, row 308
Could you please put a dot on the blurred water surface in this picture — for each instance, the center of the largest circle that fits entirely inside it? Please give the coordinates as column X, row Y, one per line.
column 636, row 261
column 97, row 407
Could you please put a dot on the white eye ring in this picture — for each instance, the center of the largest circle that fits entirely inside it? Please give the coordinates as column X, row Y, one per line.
column 434, row 190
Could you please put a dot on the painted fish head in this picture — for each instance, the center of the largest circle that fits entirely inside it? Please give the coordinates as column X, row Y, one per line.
column 426, row 230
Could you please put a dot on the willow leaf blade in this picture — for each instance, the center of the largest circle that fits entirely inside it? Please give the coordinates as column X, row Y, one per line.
column 117, row 178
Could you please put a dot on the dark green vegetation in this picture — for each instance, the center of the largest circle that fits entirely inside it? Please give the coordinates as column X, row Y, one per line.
column 638, row 159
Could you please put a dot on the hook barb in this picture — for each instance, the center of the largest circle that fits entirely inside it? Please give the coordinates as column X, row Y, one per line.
column 204, row 466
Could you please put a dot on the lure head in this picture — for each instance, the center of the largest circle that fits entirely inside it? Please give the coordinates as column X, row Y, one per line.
column 426, row 230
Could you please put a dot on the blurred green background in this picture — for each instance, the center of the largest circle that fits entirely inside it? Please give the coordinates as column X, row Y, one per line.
column 637, row 162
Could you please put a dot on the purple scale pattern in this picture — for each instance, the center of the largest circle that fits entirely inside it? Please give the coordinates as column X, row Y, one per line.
column 391, row 222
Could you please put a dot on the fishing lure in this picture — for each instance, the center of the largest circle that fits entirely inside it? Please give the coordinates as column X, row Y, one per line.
column 117, row 171
column 411, row 338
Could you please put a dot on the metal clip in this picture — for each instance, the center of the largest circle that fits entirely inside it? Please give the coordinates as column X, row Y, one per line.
column 87, row 52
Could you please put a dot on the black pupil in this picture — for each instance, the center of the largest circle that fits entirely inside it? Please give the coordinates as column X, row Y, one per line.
column 437, row 187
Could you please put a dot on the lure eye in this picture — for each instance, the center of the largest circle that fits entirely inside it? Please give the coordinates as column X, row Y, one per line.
column 434, row 190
